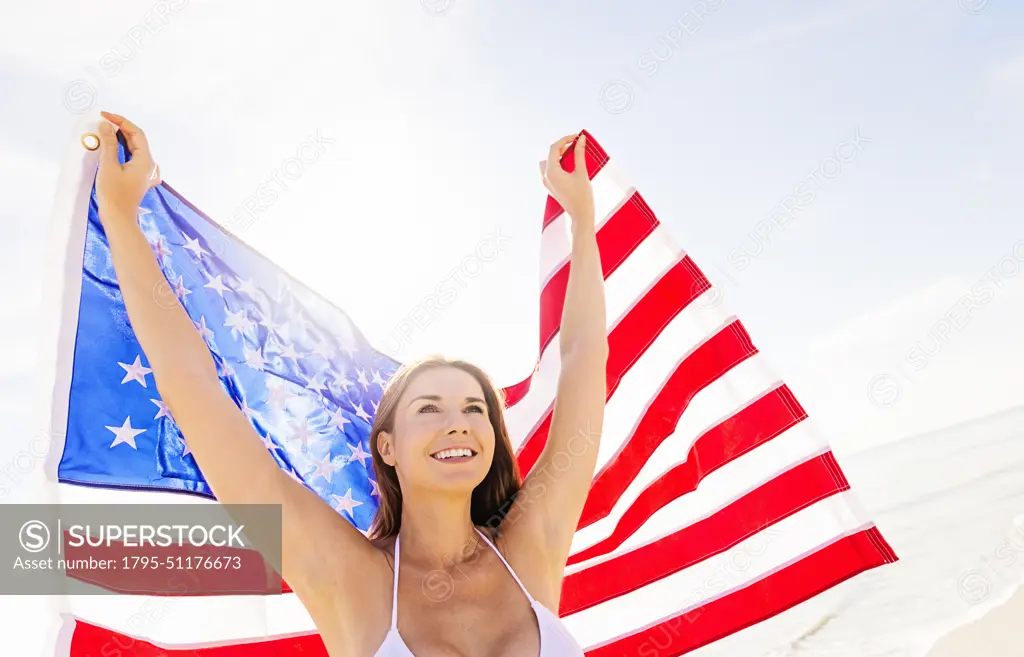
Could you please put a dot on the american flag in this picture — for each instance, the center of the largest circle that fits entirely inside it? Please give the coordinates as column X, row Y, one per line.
column 714, row 505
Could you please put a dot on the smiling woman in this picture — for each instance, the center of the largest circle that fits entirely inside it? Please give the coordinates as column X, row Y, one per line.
column 429, row 410
column 443, row 460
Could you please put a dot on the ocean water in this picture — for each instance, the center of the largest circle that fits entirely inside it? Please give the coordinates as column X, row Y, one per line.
column 951, row 503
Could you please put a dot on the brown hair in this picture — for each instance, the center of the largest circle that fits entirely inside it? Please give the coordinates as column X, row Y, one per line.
column 491, row 498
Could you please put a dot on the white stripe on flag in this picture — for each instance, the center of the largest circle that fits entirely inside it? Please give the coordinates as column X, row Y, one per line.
column 775, row 547
column 627, row 284
column 727, row 484
column 555, row 242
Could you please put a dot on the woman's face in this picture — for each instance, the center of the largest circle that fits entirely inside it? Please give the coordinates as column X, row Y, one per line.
column 443, row 438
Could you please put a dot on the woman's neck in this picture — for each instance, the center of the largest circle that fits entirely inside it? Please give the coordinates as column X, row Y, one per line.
column 438, row 530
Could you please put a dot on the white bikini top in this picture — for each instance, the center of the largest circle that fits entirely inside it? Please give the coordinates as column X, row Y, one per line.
column 555, row 640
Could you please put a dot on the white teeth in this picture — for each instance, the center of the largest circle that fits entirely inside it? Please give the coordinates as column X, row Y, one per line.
column 449, row 453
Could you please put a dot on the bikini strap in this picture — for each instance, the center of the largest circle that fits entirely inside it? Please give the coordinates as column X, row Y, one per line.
column 394, row 595
column 507, row 567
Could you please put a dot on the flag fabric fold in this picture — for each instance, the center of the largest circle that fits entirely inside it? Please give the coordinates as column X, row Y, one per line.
column 714, row 505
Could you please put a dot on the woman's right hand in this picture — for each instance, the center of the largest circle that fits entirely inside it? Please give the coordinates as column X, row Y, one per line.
column 120, row 187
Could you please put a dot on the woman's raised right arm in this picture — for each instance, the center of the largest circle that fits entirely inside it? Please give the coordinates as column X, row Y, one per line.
column 323, row 554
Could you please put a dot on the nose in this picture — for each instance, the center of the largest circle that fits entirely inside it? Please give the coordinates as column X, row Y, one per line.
column 457, row 424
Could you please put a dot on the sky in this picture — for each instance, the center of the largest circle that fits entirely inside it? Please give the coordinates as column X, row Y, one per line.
column 844, row 172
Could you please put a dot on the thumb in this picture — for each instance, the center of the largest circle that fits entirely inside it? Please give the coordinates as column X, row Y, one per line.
column 108, row 146
column 580, row 153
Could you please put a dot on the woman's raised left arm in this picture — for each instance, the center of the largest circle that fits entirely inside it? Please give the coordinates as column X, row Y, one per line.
column 544, row 519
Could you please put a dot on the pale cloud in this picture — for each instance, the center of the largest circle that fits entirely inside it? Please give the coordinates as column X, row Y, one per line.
column 917, row 364
column 1006, row 78
column 884, row 324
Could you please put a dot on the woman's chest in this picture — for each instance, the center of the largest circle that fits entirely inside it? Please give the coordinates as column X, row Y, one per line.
column 446, row 617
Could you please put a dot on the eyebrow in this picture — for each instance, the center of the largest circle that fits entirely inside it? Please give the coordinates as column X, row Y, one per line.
column 437, row 398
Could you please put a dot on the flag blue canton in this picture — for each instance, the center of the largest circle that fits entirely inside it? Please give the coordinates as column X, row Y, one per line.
column 296, row 365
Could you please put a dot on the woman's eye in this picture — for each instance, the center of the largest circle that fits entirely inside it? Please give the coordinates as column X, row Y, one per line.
column 427, row 407
column 477, row 409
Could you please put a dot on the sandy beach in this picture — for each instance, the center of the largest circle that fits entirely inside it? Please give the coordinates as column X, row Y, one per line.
column 999, row 633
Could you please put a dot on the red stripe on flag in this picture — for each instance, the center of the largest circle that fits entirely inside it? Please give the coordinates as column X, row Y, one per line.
column 759, row 422
column 631, row 337
column 90, row 640
column 752, row 604
column 786, row 494
column 616, row 240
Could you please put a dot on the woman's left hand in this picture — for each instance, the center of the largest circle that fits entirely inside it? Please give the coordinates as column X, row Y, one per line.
column 573, row 191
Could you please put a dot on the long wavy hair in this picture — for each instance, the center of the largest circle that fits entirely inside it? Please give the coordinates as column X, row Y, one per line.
column 492, row 497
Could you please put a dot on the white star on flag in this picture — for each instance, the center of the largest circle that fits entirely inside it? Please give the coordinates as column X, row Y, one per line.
column 125, row 434
column 323, row 349
column 248, row 287
column 303, row 433
column 185, row 450
column 279, row 396
column 358, row 454
column 201, row 327
column 180, row 290
column 249, row 413
column 345, row 502
column 254, row 357
column 338, row 419
column 237, row 322
column 135, row 372
column 164, row 411
column 267, row 321
column 324, row 468
column 377, row 379
column 194, row 246
column 216, row 284
column 315, row 385
column 160, row 248
column 374, row 489
column 268, row 443
column 289, row 352
column 362, row 414
column 362, row 379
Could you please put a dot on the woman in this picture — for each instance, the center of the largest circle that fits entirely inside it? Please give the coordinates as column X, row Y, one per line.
column 460, row 559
